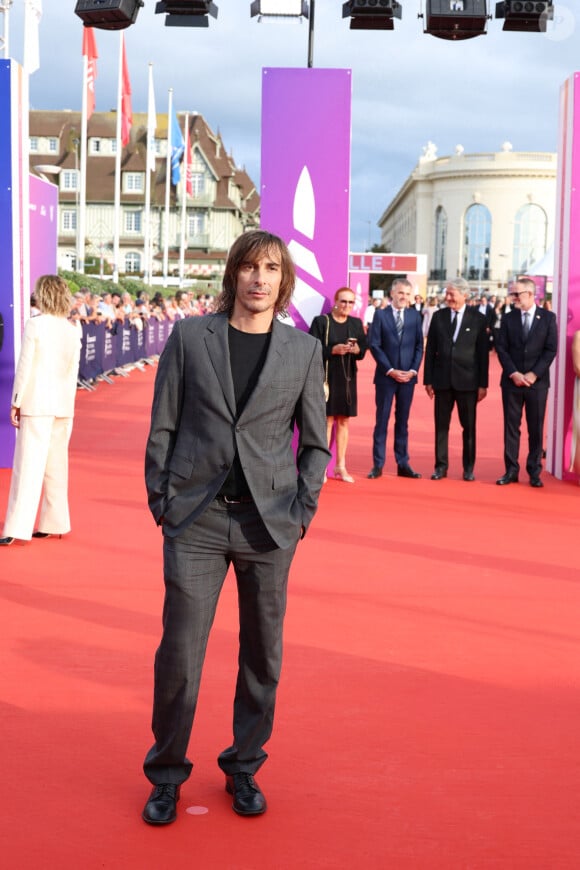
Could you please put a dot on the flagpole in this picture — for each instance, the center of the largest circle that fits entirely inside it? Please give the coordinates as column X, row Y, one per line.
column 117, row 207
column 167, row 189
column 184, row 204
column 81, row 218
column 150, row 166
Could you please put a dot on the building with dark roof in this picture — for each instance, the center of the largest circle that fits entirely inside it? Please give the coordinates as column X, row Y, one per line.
column 224, row 203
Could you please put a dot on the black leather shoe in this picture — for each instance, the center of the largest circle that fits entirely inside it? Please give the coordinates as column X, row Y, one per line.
column 45, row 535
column 407, row 471
column 5, row 542
column 509, row 477
column 161, row 808
column 248, row 799
column 468, row 475
column 375, row 472
column 536, row 482
column 439, row 474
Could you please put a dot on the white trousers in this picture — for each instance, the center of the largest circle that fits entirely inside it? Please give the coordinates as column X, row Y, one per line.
column 40, row 463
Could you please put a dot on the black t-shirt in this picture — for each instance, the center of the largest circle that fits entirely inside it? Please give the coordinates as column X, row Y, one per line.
column 248, row 352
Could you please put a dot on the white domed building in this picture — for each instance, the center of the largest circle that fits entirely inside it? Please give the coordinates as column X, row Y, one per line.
column 486, row 217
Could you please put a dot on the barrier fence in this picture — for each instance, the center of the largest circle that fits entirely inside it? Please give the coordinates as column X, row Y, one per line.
column 104, row 348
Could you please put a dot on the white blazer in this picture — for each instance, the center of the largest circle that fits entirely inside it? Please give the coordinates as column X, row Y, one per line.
column 45, row 382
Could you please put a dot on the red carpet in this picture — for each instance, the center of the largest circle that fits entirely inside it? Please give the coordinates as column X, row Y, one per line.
column 429, row 710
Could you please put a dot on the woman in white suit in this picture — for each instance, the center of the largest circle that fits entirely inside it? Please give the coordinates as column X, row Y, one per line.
column 42, row 410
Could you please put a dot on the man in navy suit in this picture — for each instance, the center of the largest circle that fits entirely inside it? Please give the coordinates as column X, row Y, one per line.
column 396, row 343
column 526, row 347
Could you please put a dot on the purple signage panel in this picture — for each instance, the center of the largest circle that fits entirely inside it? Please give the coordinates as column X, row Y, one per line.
column 360, row 283
column 14, row 234
column 43, row 228
column 305, row 181
column 563, row 430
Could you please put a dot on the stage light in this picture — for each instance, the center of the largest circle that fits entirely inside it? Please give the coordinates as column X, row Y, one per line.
column 108, row 14
column 456, row 19
column 530, row 16
column 187, row 13
column 279, row 8
column 372, row 14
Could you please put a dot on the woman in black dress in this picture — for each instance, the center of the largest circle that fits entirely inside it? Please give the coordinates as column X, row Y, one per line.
column 345, row 345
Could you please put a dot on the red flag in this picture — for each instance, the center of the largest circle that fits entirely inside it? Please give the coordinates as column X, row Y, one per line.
column 188, row 163
column 90, row 52
column 126, row 110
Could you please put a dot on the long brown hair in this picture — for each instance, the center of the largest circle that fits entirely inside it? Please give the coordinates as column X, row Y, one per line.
column 251, row 246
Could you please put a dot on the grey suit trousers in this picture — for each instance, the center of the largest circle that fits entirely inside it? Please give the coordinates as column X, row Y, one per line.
column 195, row 566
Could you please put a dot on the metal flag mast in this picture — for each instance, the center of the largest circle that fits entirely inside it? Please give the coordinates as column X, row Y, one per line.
column 5, row 31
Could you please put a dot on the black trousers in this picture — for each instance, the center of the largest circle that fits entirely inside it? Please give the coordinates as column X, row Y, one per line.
column 466, row 401
column 515, row 401
column 195, row 567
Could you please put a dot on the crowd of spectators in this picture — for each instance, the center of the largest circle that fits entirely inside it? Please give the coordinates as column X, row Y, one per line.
column 114, row 306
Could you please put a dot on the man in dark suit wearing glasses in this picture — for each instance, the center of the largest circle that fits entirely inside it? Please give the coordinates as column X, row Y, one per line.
column 526, row 347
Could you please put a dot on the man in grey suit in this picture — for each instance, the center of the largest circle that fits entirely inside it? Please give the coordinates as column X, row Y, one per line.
column 226, row 488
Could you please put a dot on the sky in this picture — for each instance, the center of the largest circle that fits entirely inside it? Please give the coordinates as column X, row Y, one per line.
column 409, row 88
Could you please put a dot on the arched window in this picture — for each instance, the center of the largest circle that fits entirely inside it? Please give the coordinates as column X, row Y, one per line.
column 530, row 231
column 439, row 270
column 477, row 243
column 132, row 262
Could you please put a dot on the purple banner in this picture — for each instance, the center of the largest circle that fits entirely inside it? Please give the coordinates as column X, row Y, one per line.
column 305, row 184
column 90, row 362
column 14, row 237
column 43, row 228
column 564, row 409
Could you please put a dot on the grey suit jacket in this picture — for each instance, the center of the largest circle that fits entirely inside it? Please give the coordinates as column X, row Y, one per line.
column 195, row 433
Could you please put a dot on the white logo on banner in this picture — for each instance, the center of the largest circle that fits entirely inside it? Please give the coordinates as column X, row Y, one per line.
column 307, row 301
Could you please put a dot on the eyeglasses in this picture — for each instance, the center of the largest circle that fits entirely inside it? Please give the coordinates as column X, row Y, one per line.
column 345, row 301
column 516, row 295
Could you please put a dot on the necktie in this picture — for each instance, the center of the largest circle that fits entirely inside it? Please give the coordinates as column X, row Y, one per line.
column 526, row 324
column 453, row 324
column 399, row 323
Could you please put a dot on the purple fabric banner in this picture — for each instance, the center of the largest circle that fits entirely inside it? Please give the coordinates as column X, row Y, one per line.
column 564, row 412
column 305, row 184
column 14, row 239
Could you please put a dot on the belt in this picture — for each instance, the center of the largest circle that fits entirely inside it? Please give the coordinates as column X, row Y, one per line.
column 244, row 499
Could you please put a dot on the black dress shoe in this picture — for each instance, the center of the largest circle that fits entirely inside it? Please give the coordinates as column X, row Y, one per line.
column 45, row 535
column 508, row 477
column 248, row 799
column 439, row 474
column 161, row 808
column 468, row 475
column 375, row 472
column 407, row 471
column 5, row 542
column 536, row 482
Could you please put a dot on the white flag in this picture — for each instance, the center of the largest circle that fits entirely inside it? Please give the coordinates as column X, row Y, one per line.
column 151, row 124
column 32, row 16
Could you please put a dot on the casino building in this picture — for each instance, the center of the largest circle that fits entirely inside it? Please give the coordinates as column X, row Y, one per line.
column 485, row 216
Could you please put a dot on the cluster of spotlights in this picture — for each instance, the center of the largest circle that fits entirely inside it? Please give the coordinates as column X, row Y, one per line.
column 447, row 19
column 118, row 14
column 452, row 19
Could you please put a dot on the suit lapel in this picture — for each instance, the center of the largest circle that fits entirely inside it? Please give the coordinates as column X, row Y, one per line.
column 216, row 342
